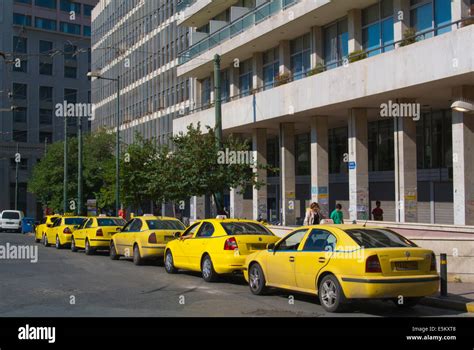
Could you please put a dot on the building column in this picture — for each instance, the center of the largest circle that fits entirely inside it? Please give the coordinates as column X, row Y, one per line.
column 401, row 14
column 406, row 183
column 288, row 172
column 257, row 69
column 284, row 57
column 460, row 9
column 236, row 203
column 354, row 21
column 233, row 81
column 320, row 163
column 259, row 147
column 317, row 46
column 358, row 165
column 463, row 160
column 197, row 207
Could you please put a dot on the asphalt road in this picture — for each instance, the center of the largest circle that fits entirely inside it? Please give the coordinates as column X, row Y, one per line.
column 62, row 283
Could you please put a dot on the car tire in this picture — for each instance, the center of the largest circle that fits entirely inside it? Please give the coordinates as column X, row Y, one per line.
column 37, row 240
column 207, row 269
column 88, row 249
column 137, row 259
column 408, row 303
column 58, row 243
column 45, row 240
column 169, row 263
column 73, row 245
column 257, row 282
column 331, row 295
column 113, row 252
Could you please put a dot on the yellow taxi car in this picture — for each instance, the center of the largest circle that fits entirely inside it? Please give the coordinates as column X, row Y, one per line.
column 144, row 237
column 45, row 223
column 216, row 246
column 95, row 233
column 343, row 262
column 61, row 230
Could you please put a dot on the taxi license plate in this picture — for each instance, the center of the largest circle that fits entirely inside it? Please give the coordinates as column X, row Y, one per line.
column 406, row 265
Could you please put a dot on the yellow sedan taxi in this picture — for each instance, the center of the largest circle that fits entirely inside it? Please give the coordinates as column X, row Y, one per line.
column 96, row 233
column 61, row 231
column 216, row 246
column 343, row 262
column 144, row 238
column 45, row 223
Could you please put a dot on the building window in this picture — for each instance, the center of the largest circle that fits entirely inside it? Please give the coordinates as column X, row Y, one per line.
column 430, row 14
column 45, row 60
column 69, row 52
column 46, row 3
column 20, row 135
column 46, row 116
column 377, row 27
column 20, row 91
column 70, row 28
column 88, row 10
column 68, row 6
column 20, row 115
column 70, row 72
column 245, row 78
column 46, row 24
column 338, row 148
column 336, row 43
column 206, row 92
column 381, row 146
column 300, row 52
column 87, row 31
column 302, row 148
column 23, row 2
column 46, row 94
column 21, row 20
column 271, row 67
column 20, row 48
column 45, row 137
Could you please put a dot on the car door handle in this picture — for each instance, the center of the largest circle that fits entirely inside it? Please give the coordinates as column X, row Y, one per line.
column 292, row 259
column 321, row 260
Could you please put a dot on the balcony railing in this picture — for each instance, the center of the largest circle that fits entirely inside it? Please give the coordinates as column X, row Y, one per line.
column 407, row 40
column 183, row 4
column 233, row 29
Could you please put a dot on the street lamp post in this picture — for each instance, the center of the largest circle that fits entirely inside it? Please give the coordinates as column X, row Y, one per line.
column 97, row 75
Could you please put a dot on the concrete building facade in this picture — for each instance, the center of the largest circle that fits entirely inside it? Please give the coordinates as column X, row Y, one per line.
column 337, row 95
column 48, row 45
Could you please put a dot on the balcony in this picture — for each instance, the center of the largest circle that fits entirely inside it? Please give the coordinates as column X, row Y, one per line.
column 234, row 28
column 426, row 70
column 197, row 13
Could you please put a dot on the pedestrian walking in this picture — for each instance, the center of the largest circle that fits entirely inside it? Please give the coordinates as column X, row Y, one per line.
column 313, row 215
column 337, row 216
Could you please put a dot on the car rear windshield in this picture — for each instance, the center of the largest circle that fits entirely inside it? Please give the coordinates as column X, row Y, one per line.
column 379, row 238
column 111, row 222
column 74, row 221
column 11, row 215
column 245, row 228
column 165, row 225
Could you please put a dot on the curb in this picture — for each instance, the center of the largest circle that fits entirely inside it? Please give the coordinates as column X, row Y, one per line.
column 446, row 303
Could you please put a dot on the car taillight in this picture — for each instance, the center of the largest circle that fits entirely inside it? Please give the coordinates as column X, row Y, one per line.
column 372, row 264
column 152, row 238
column 433, row 262
column 230, row 244
column 99, row 233
column 67, row 231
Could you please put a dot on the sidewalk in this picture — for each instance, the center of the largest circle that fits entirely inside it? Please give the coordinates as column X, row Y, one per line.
column 460, row 298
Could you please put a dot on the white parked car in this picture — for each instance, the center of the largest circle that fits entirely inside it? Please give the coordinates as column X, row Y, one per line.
column 10, row 220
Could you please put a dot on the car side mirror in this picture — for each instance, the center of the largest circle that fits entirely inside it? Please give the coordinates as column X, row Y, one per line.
column 49, row 225
column 119, row 229
column 271, row 246
column 177, row 234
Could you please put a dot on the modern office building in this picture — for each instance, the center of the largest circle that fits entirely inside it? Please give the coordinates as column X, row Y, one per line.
column 294, row 81
column 47, row 45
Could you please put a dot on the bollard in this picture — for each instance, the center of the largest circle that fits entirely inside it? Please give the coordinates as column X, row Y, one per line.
column 443, row 271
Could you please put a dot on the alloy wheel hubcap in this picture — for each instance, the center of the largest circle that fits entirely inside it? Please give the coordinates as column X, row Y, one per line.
column 254, row 279
column 329, row 293
column 169, row 261
column 206, row 269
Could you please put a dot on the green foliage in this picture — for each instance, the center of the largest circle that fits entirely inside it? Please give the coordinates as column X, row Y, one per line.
column 357, row 56
column 409, row 37
column 318, row 69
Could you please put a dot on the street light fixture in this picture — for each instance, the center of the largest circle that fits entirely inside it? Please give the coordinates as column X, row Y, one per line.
column 98, row 75
column 463, row 106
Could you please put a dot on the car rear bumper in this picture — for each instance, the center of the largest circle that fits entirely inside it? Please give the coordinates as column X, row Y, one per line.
column 389, row 287
column 228, row 263
column 100, row 242
column 153, row 250
column 10, row 227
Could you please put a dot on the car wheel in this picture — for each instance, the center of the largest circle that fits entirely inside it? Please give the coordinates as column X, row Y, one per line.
column 207, row 268
column 257, row 281
column 37, row 240
column 88, row 249
column 331, row 295
column 45, row 240
column 113, row 252
column 73, row 245
column 58, row 243
column 169, row 263
column 137, row 259
column 407, row 302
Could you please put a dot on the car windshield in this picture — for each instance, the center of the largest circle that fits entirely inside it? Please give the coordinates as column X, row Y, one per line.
column 111, row 222
column 11, row 215
column 165, row 225
column 74, row 221
column 245, row 228
column 378, row 238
